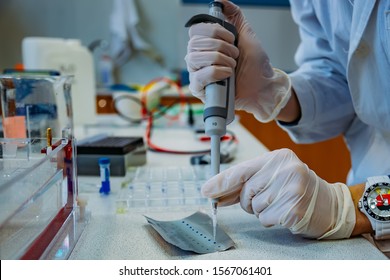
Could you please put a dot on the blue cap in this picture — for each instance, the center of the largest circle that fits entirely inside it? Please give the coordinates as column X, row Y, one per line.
column 104, row 160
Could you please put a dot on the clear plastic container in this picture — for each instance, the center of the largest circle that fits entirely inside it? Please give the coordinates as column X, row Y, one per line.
column 32, row 103
column 39, row 216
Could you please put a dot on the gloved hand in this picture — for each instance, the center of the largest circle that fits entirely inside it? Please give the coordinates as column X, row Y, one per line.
column 211, row 56
column 281, row 190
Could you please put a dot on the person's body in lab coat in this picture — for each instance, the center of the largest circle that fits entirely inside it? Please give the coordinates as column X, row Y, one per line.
column 342, row 87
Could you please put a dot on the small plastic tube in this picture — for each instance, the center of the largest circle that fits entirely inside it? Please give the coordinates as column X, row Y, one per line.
column 104, row 164
column 49, row 138
column 82, row 203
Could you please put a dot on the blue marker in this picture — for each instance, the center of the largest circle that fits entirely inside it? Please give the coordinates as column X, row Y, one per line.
column 104, row 164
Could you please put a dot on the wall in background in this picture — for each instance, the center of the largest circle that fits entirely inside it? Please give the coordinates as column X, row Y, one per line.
column 162, row 24
column 88, row 20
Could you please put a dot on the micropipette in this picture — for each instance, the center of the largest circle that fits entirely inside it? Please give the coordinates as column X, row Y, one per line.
column 219, row 101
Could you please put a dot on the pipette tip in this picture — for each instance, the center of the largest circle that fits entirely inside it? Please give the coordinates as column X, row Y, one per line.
column 214, row 205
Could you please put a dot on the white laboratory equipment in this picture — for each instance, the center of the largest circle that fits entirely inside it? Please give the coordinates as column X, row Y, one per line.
column 69, row 57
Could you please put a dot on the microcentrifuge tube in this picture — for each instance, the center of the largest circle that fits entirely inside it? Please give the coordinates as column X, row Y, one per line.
column 104, row 164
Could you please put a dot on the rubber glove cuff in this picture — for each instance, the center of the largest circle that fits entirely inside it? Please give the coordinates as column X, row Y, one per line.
column 345, row 221
column 271, row 98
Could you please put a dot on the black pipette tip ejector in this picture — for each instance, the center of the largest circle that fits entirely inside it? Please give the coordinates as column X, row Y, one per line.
column 215, row 16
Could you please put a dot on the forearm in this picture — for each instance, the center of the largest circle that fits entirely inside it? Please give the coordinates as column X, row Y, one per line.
column 292, row 111
column 362, row 225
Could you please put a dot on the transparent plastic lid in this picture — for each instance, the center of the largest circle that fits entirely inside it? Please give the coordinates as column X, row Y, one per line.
column 31, row 103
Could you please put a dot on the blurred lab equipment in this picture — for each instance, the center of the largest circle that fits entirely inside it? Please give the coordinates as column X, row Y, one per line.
column 128, row 105
column 33, row 103
column 69, row 57
column 105, row 72
column 125, row 36
column 131, row 102
column 39, row 217
column 123, row 152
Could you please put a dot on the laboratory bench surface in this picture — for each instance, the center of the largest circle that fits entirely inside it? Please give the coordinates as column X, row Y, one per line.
column 110, row 235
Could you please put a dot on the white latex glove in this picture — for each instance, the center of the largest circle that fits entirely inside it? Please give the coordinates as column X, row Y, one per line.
column 281, row 190
column 211, row 56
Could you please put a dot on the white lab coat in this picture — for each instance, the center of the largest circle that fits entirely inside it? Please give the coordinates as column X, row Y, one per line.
column 343, row 82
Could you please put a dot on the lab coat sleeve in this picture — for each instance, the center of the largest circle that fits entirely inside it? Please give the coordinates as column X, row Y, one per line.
column 319, row 82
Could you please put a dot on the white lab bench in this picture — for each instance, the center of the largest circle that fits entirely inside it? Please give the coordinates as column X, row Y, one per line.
column 128, row 236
